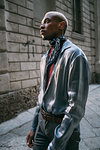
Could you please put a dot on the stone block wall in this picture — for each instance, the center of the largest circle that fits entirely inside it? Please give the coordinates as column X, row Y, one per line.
column 21, row 49
column 21, row 61
column 4, row 76
column 20, row 54
column 86, row 40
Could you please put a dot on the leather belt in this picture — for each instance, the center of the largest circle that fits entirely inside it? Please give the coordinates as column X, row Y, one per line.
column 50, row 117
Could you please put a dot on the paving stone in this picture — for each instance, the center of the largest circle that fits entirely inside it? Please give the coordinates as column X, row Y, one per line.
column 95, row 107
column 18, row 143
column 24, row 117
column 96, row 149
column 19, row 127
column 23, row 130
column 92, row 117
column 15, row 148
column 95, row 94
column 92, row 143
column 96, row 100
column 8, row 125
column 82, row 146
column 32, row 110
column 93, row 86
column 6, row 139
column 96, row 131
column 86, row 129
column 16, row 122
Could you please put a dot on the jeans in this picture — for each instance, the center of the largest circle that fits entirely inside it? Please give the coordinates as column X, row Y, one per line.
column 45, row 133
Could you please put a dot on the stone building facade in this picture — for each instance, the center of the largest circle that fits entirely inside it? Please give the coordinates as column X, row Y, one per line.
column 21, row 46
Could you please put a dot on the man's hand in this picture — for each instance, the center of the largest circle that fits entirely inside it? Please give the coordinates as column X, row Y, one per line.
column 30, row 138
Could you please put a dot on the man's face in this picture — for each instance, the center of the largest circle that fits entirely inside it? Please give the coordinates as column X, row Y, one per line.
column 49, row 27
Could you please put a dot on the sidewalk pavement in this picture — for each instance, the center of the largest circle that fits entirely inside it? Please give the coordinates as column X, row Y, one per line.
column 13, row 132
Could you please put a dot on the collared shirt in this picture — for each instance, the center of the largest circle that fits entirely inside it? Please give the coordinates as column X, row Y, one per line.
column 50, row 69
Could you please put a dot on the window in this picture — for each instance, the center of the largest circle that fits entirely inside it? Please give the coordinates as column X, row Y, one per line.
column 77, row 24
column 41, row 7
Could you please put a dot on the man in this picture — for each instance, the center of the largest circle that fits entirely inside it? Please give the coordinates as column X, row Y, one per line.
column 63, row 91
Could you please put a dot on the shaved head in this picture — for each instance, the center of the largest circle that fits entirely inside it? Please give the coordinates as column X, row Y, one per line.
column 58, row 17
column 53, row 25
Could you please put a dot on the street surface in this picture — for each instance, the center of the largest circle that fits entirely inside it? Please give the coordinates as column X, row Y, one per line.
column 13, row 132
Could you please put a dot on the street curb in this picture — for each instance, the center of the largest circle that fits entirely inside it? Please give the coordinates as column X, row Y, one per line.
column 18, row 121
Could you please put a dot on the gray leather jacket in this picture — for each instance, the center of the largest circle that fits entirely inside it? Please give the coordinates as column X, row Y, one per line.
column 66, row 92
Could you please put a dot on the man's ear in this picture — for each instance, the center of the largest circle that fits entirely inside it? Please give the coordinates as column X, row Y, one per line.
column 62, row 25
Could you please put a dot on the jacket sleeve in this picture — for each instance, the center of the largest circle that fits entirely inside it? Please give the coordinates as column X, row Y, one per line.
column 36, row 114
column 77, row 91
column 35, row 119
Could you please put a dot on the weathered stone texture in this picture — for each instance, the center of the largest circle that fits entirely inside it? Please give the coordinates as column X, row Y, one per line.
column 22, row 57
column 15, row 85
column 16, row 37
column 14, row 66
column 29, row 83
column 29, row 5
column 4, row 83
column 29, row 22
column 28, row 66
column 11, row 7
column 25, row 12
column 12, row 27
column 35, row 74
column 15, row 18
column 3, row 62
column 26, row 30
column 37, row 40
column 14, row 103
column 13, row 47
column 2, row 18
column 14, row 76
column 2, row 41
column 2, row 6
column 18, row 2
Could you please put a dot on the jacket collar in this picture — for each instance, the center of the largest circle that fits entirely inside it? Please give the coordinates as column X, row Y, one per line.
column 66, row 45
